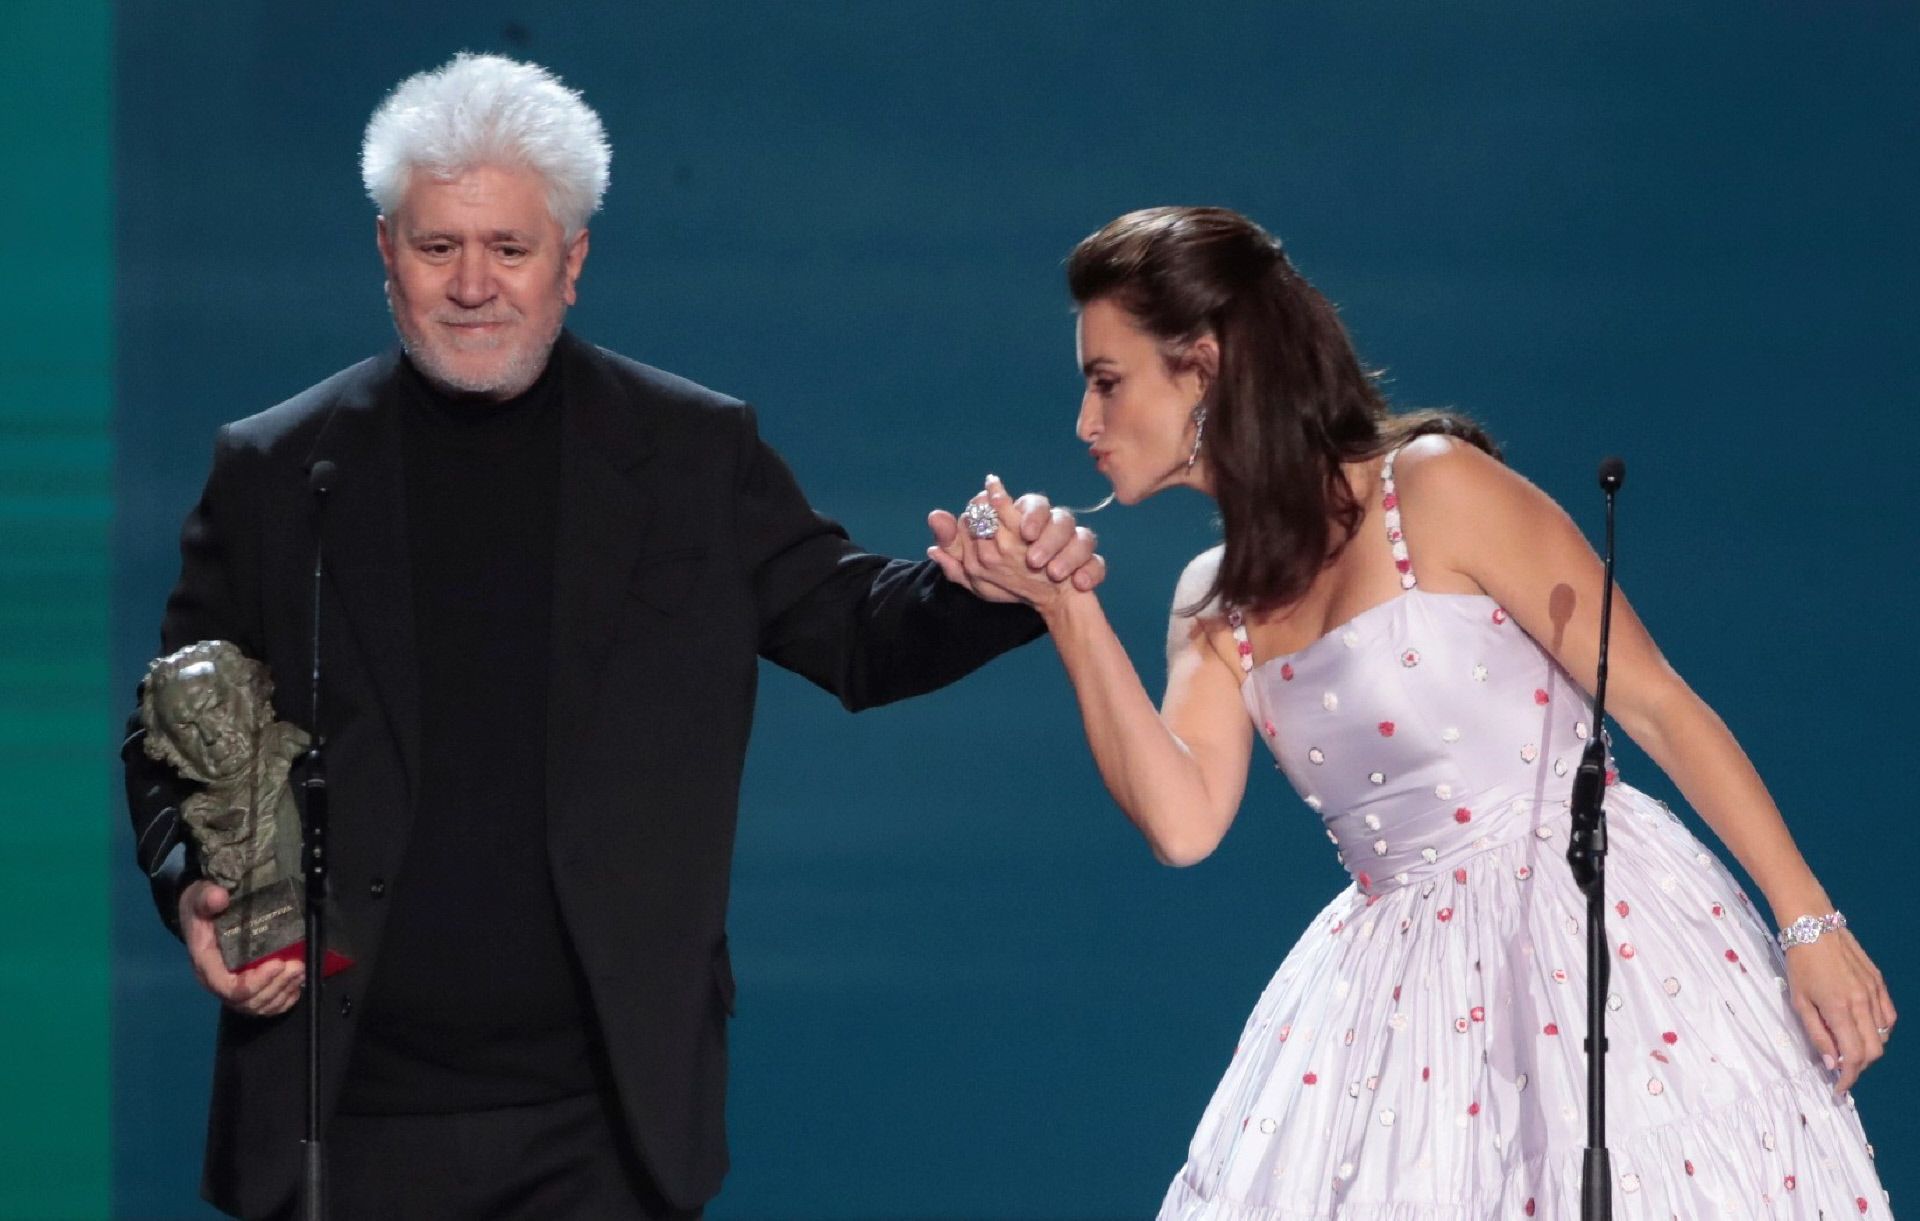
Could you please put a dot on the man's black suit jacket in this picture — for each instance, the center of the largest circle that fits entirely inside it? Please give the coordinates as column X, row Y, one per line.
column 684, row 552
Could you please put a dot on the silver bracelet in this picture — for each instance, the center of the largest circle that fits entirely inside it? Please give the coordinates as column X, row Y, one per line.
column 1807, row 929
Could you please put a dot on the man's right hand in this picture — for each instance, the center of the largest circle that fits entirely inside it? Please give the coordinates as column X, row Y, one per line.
column 267, row 990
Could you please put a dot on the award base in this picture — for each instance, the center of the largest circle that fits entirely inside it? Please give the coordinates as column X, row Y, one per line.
column 269, row 924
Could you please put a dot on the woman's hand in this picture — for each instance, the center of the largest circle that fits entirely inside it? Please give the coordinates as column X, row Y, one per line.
column 1038, row 553
column 1842, row 1000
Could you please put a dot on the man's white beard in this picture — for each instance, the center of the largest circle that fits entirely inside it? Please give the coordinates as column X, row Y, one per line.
column 522, row 369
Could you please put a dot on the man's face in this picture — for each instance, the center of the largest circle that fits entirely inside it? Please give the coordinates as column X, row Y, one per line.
column 208, row 720
column 479, row 278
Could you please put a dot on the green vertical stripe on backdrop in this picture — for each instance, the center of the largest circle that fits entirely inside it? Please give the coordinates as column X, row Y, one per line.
column 56, row 720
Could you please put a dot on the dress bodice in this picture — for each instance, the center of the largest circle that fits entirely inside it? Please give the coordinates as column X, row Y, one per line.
column 1422, row 729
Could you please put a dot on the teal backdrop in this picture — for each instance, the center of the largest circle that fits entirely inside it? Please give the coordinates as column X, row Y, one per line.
column 1681, row 232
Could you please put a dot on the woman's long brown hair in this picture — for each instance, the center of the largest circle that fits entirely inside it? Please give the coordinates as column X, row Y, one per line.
column 1289, row 403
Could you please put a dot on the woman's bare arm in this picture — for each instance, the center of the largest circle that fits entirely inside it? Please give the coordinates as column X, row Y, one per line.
column 1468, row 518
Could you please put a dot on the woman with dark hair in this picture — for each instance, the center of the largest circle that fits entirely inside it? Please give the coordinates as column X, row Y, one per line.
column 1411, row 629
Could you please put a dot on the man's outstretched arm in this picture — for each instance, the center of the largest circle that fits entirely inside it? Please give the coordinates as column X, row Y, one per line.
column 867, row 628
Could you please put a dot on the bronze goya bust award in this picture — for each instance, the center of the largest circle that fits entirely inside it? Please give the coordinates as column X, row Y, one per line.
column 208, row 711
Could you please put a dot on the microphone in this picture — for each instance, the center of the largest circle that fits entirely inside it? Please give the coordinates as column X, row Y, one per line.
column 322, row 477
column 1589, row 840
column 1613, row 473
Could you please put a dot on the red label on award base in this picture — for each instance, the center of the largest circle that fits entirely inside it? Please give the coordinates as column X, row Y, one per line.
column 331, row 965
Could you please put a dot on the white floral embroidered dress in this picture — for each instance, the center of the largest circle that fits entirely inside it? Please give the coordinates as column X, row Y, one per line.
column 1417, row 1057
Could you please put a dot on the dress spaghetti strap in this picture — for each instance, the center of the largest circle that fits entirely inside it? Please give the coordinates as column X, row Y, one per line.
column 1244, row 646
column 1396, row 538
column 1390, row 501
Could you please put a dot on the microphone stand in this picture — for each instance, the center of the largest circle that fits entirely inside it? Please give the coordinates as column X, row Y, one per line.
column 1587, row 854
column 314, row 862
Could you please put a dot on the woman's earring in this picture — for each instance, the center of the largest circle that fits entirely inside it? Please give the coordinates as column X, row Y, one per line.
column 1199, row 418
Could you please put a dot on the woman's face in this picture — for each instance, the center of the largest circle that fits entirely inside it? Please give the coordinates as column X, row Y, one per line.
column 1136, row 415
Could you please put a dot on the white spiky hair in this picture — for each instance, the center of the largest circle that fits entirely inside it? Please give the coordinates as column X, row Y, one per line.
column 488, row 110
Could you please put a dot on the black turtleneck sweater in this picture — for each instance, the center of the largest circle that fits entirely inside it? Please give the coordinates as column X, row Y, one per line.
column 478, row 999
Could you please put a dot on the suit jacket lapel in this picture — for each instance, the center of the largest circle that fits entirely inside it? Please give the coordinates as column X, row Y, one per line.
column 605, row 505
column 367, row 560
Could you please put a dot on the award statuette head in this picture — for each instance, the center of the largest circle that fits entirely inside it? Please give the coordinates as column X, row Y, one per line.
column 208, row 711
column 204, row 706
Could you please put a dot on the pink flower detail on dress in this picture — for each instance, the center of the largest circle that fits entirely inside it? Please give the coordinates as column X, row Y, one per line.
column 1626, row 949
column 1460, row 1024
column 1732, row 956
column 1541, row 697
column 1462, row 814
column 1613, row 776
column 1473, row 1108
column 1426, row 1073
column 1621, row 907
column 1860, row 1202
column 1410, row 658
column 1390, row 501
column 1443, row 915
column 1246, row 649
column 1460, row 876
column 1286, row 671
column 1366, row 880
column 1529, row 1206
column 1499, row 615
column 1272, row 731
column 1792, row 1183
column 1386, row 729
column 1719, row 912
column 1404, row 565
column 1550, row 1028
column 1285, row 1031
column 1688, row 1163
column 1309, row 1078
column 1478, row 1013
column 1396, row 992
column 1669, row 1038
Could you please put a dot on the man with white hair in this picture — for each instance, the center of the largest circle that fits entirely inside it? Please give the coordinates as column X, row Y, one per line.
column 550, row 571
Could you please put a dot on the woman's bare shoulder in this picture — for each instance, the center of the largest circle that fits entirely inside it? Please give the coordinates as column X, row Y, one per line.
column 1196, row 614
column 1196, row 582
column 1441, row 466
column 1447, row 483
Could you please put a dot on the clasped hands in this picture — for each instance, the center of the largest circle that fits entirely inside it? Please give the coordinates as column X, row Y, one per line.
column 1039, row 555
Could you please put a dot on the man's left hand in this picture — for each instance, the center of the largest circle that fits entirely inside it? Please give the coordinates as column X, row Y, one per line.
column 1055, row 542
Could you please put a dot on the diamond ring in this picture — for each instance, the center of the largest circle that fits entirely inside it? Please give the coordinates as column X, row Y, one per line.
column 982, row 521
column 1882, row 1031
